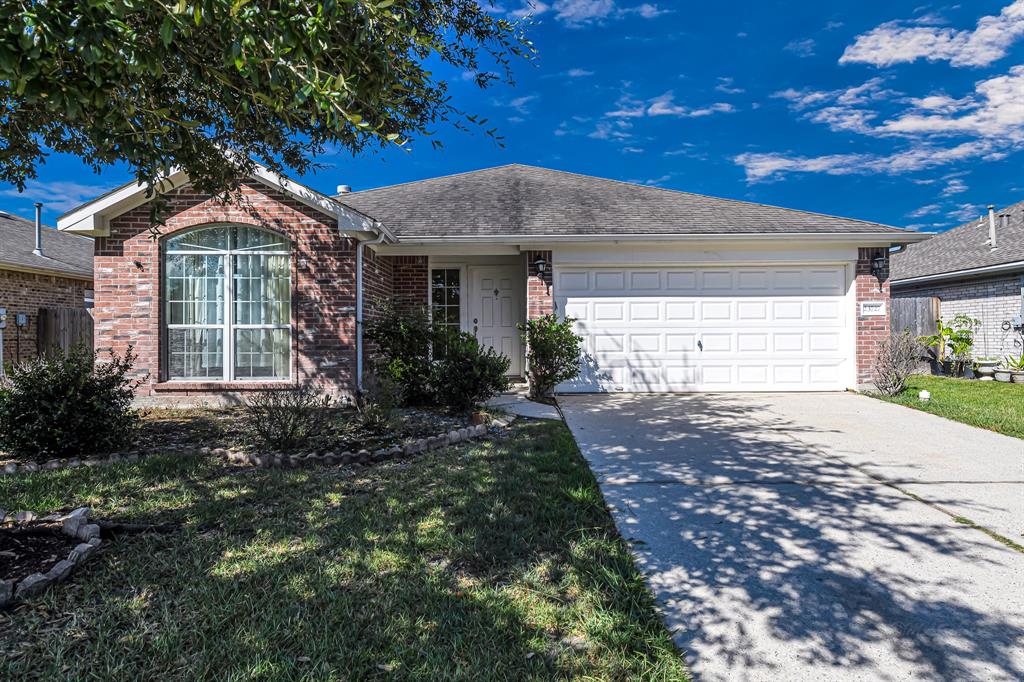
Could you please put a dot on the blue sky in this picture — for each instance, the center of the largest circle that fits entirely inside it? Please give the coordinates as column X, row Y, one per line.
column 905, row 113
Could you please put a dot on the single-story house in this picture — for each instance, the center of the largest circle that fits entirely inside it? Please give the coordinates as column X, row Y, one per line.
column 39, row 268
column 671, row 291
column 976, row 269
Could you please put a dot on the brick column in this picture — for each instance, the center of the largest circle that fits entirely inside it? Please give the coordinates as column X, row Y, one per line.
column 539, row 289
column 871, row 329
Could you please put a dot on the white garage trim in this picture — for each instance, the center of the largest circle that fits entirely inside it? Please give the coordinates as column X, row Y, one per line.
column 737, row 327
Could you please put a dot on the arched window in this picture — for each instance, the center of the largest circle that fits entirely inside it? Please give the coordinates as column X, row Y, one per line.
column 227, row 304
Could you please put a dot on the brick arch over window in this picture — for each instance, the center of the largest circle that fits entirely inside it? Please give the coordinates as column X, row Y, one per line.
column 129, row 296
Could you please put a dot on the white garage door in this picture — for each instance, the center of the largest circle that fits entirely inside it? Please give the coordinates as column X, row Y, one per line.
column 710, row 329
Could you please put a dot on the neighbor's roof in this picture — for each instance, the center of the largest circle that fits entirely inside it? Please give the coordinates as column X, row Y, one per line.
column 529, row 201
column 964, row 248
column 63, row 253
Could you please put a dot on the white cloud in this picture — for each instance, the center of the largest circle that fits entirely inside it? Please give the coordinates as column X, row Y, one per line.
column 801, row 48
column 578, row 73
column 930, row 209
column 964, row 212
column 575, row 13
column 529, row 8
column 727, row 86
column 521, row 104
column 611, row 130
column 665, row 105
column 996, row 110
column 581, row 13
column 632, row 150
column 954, row 186
column 57, row 196
column 760, row 167
column 899, row 41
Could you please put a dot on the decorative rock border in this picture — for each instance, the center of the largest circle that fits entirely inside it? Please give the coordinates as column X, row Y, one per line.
column 275, row 459
column 363, row 456
column 75, row 525
column 13, row 468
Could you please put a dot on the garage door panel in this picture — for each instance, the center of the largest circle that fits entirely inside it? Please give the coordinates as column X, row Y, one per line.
column 679, row 329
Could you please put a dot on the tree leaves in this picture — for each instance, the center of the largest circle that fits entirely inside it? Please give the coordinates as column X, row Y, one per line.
column 210, row 85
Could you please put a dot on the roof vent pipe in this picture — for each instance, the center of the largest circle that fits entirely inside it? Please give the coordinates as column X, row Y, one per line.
column 991, row 226
column 344, row 189
column 38, row 251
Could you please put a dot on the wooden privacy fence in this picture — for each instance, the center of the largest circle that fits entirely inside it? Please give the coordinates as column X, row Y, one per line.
column 61, row 328
column 916, row 314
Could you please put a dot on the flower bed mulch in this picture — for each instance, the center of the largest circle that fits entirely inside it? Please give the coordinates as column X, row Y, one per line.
column 198, row 430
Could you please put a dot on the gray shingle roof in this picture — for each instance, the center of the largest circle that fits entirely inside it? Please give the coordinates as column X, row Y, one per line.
column 531, row 201
column 964, row 248
column 62, row 252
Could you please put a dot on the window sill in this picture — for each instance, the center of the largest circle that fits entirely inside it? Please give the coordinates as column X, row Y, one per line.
column 225, row 385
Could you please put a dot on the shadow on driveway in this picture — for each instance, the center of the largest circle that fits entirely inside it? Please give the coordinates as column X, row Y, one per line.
column 773, row 560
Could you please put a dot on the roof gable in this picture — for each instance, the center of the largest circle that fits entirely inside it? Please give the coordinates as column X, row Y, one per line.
column 964, row 248
column 93, row 217
column 536, row 202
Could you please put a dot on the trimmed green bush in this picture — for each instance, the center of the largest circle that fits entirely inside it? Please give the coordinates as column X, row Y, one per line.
column 433, row 364
column 63, row 406
column 552, row 353
column 466, row 374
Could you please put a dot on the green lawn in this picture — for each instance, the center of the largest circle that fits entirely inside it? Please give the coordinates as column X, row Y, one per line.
column 493, row 560
column 989, row 404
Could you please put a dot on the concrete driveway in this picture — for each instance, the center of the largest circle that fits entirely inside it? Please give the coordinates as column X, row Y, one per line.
column 776, row 552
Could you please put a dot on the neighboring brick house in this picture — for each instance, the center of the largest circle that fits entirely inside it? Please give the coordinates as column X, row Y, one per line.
column 58, row 277
column 671, row 291
column 971, row 276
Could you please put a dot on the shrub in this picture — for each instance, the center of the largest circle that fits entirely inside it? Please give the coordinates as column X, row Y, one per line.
column 896, row 360
column 402, row 351
column 552, row 353
column 957, row 338
column 466, row 374
column 59, row 406
column 286, row 419
column 376, row 403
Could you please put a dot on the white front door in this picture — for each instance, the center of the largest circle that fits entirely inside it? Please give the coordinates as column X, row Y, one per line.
column 495, row 308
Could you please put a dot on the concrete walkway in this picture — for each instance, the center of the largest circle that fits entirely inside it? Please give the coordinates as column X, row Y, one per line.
column 516, row 402
column 776, row 553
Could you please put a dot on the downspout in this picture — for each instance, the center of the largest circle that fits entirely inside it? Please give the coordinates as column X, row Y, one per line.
column 359, row 303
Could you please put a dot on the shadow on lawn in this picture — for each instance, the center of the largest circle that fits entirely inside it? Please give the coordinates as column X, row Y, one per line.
column 750, row 536
column 456, row 565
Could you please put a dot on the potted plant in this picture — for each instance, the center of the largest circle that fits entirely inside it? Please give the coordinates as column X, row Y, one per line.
column 985, row 367
column 1016, row 368
column 952, row 343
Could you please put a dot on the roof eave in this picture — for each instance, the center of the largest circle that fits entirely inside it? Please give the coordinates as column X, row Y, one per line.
column 961, row 274
column 49, row 272
column 864, row 239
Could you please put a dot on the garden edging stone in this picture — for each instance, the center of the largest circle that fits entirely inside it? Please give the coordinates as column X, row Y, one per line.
column 364, row 457
column 74, row 524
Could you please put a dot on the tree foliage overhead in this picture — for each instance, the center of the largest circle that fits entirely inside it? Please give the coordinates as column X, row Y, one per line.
column 211, row 85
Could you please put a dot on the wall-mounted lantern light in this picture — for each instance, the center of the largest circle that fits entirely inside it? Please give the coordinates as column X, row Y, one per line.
column 540, row 265
column 878, row 266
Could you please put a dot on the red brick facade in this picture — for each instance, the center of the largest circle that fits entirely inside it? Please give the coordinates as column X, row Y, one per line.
column 128, row 280
column 24, row 292
column 539, row 288
column 128, row 289
column 411, row 285
column 873, row 329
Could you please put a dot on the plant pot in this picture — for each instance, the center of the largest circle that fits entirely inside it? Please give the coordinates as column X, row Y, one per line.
column 477, row 418
column 1003, row 375
column 969, row 372
column 1017, row 377
column 985, row 372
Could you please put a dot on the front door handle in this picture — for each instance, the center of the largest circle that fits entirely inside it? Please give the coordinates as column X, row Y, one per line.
column 700, row 345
